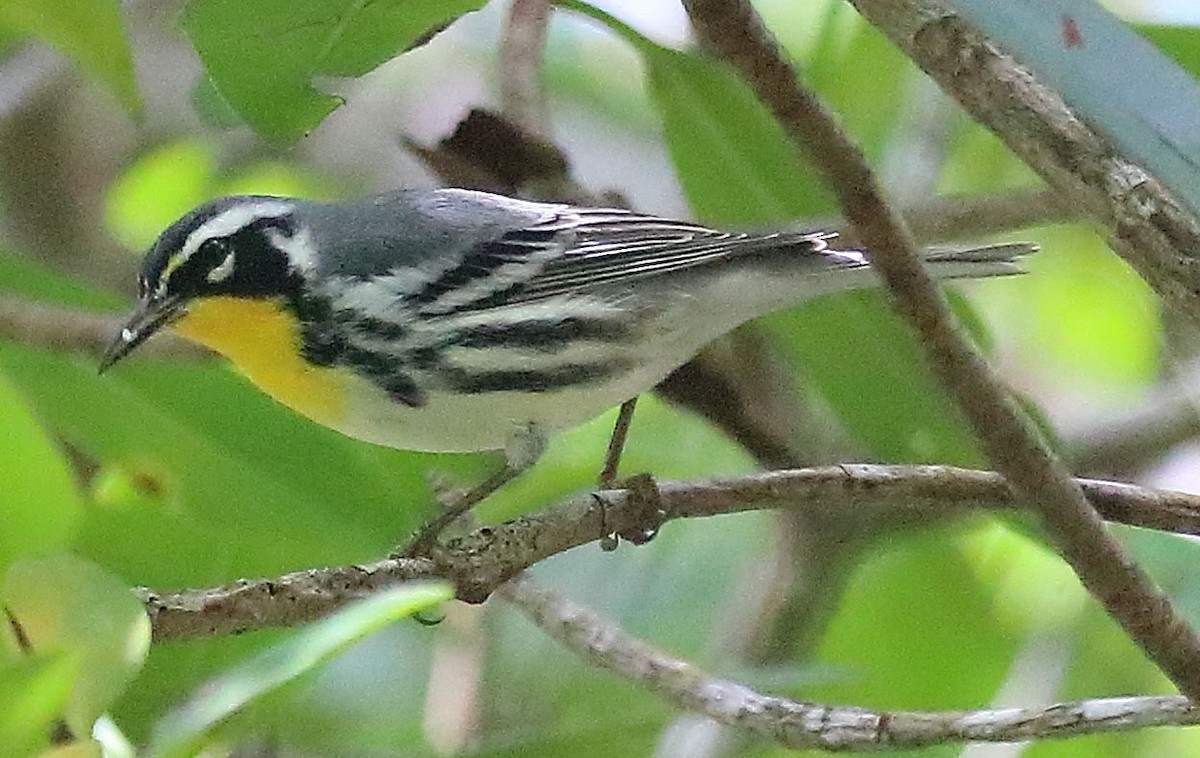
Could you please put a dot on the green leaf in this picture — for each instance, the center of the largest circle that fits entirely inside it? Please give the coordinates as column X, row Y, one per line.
column 871, row 370
column 214, row 109
column 67, row 605
column 89, row 31
column 229, row 466
column 184, row 730
column 734, row 161
column 80, row 749
column 733, row 158
column 203, row 479
column 41, row 506
column 940, row 622
column 861, row 75
column 1182, row 43
column 263, row 57
column 33, row 694
column 1083, row 318
column 1101, row 67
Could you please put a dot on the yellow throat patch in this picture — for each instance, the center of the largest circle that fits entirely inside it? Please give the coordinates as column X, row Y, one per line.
column 262, row 338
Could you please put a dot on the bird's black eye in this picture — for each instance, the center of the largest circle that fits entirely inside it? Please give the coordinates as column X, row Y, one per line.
column 213, row 249
column 214, row 260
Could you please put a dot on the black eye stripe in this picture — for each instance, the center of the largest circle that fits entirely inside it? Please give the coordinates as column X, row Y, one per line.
column 210, row 254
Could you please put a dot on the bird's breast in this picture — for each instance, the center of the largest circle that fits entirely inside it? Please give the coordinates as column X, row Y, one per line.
column 263, row 339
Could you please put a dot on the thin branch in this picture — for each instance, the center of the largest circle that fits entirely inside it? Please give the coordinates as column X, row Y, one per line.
column 1146, row 225
column 68, row 329
column 734, row 30
column 522, row 98
column 953, row 217
column 288, row 600
column 1134, row 439
column 481, row 561
column 801, row 725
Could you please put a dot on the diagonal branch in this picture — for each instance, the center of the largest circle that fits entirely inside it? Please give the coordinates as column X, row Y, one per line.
column 484, row 559
column 734, row 31
column 799, row 725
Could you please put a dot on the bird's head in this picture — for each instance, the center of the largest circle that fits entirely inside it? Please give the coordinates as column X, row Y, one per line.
column 246, row 247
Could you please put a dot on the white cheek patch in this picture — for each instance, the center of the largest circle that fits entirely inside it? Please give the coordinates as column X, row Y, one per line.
column 222, row 271
column 300, row 248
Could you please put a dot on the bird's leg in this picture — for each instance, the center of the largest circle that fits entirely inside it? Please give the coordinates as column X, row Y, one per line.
column 642, row 488
column 616, row 444
column 525, row 446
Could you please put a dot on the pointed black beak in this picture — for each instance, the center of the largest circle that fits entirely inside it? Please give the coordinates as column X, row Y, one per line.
column 151, row 315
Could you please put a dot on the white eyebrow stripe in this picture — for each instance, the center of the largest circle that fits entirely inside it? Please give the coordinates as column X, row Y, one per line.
column 231, row 220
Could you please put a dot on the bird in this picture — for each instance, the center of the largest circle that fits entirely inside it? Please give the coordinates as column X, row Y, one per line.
column 459, row 320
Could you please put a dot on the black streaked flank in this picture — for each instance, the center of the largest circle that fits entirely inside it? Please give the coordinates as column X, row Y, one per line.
column 531, row 380
column 547, row 334
column 322, row 341
column 425, row 357
column 497, row 298
column 402, row 389
column 377, row 328
column 388, row 371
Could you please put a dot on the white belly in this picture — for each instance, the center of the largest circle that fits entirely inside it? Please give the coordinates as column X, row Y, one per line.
column 486, row 421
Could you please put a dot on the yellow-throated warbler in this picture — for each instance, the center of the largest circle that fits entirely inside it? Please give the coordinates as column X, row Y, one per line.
column 443, row 320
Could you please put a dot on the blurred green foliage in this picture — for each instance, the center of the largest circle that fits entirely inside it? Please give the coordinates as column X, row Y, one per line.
column 175, row 475
column 90, row 31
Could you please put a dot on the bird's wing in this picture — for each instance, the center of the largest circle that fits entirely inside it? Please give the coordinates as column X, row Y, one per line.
column 581, row 249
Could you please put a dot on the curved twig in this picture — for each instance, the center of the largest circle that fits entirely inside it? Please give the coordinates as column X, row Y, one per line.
column 801, row 725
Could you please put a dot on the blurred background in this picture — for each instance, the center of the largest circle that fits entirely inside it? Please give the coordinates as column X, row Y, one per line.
column 184, row 476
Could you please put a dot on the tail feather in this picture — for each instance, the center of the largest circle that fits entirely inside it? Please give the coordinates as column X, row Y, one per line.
column 1001, row 259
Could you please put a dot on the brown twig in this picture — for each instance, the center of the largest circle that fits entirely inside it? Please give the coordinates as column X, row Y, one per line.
column 1132, row 440
column 522, row 99
column 735, row 32
column 484, row 559
column 950, row 217
column 616, row 444
column 68, row 329
column 799, row 725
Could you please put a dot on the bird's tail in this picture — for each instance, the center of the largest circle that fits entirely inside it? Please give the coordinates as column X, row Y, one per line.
column 943, row 262
column 1002, row 259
